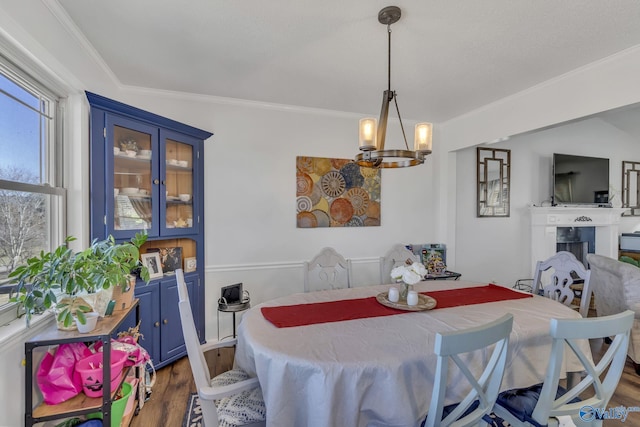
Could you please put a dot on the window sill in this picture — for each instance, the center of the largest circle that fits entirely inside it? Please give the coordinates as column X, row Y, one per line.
column 16, row 331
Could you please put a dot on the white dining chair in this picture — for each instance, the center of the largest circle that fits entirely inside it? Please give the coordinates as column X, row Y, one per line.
column 327, row 270
column 397, row 255
column 543, row 403
column 556, row 278
column 476, row 406
column 229, row 399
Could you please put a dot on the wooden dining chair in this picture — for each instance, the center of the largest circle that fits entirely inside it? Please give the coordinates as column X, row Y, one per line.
column 476, row 406
column 327, row 270
column 558, row 278
column 543, row 403
column 396, row 256
column 229, row 399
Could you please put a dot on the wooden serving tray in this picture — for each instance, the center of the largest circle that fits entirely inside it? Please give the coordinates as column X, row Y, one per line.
column 425, row 302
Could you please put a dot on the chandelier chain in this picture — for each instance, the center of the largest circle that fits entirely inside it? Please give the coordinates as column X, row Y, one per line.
column 393, row 94
column 389, row 58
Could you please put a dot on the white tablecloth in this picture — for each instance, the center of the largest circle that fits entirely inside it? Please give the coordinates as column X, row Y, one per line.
column 379, row 371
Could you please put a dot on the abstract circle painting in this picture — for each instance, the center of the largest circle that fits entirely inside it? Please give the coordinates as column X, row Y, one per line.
column 336, row 193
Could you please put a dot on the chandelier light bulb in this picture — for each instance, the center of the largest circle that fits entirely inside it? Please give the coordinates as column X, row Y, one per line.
column 423, row 137
column 368, row 131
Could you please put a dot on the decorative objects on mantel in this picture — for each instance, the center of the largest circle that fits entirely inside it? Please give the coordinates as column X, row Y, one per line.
column 546, row 220
column 372, row 133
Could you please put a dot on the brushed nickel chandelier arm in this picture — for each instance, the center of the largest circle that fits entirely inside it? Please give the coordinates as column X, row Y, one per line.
column 404, row 135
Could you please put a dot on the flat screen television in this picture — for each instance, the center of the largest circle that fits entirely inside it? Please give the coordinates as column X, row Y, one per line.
column 580, row 180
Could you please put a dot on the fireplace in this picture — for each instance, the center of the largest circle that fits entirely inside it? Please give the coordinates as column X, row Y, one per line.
column 576, row 228
column 580, row 241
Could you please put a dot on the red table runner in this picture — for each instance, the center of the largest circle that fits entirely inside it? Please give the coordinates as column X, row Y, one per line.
column 335, row 311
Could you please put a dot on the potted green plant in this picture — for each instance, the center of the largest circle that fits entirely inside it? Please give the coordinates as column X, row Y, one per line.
column 103, row 265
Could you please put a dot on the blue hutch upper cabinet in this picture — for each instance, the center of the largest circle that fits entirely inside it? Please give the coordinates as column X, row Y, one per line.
column 147, row 174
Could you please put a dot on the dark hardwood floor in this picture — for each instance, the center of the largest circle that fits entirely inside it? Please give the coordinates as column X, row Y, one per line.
column 174, row 384
column 627, row 393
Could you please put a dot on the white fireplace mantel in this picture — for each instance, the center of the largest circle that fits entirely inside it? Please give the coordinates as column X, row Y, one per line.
column 546, row 220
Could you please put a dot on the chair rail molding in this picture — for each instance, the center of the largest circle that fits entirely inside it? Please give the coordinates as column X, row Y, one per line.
column 546, row 220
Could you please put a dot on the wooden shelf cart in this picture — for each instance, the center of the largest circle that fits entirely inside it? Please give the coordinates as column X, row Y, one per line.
column 80, row 404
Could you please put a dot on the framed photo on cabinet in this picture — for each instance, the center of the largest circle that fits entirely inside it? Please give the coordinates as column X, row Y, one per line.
column 153, row 264
column 171, row 258
column 190, row 264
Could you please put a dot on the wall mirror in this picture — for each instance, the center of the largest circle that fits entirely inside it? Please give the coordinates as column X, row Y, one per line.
column 630, row 187
column 494, row 172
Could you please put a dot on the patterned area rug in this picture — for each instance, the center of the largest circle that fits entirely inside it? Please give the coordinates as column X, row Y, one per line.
column 193, row 414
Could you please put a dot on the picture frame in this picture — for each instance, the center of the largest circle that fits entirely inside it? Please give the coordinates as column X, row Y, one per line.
column 153, row 264
column 190, row 264
column 231, row 294
column 170, row 258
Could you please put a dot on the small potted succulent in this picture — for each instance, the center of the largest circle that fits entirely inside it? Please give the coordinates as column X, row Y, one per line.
column 58, row 279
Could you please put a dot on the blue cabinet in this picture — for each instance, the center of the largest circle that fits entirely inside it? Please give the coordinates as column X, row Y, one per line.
column 160, row 320
column 147, row 174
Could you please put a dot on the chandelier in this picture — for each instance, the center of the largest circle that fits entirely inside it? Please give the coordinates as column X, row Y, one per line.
column 372, row 132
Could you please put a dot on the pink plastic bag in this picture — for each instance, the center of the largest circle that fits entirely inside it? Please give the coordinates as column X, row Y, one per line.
column 137, row 354
column 56, row 375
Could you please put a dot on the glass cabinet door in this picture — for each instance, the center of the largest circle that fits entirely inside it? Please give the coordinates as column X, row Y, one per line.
column 134, row 150
column 179, row 189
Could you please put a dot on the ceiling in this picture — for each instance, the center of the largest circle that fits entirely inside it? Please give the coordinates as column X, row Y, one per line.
column 448, row 57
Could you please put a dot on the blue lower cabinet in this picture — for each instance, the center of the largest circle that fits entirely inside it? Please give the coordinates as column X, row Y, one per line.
column 160, row 319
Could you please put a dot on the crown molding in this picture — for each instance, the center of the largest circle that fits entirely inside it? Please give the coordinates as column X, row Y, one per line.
column 67, row 23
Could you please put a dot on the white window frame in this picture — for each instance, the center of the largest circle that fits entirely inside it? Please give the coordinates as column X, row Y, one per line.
column 53, row 163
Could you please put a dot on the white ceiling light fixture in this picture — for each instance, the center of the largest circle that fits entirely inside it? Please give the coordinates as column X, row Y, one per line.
column 372, row 133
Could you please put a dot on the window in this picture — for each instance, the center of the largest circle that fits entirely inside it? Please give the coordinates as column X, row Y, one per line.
column 32, row 199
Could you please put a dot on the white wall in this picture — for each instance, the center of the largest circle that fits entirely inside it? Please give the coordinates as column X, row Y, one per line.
column 499, row 249
column 597, row 87
column 251, row 233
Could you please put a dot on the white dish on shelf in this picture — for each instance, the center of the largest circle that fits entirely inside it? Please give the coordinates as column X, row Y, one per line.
column 130, row 191
column 173, row 198
column 144, row 156
column 183, row 163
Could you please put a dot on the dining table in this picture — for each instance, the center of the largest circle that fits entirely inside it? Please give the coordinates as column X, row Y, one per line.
column 342, row 358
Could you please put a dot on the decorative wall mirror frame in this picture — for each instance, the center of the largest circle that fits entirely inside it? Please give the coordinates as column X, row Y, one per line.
column 493, row 177
column 631, row 187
